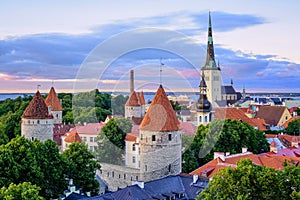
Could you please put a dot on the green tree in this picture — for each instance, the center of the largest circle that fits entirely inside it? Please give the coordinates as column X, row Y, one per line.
column 22, row 191
column 293, row 127
column 251, row 181
column 118, row 104
column 83, row 167
column 224, row 136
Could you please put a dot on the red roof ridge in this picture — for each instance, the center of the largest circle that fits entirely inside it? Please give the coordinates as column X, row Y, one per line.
column 52, row 100
column 160, row 115
column 37, row 108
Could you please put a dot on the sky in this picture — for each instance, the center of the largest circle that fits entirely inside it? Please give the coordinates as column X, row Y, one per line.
column 82, row 45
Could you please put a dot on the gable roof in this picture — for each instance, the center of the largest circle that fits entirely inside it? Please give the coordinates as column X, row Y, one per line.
column 160, row 115
column 37, row 108
column 73, row 137
column 52, row 100
column 239, row 114
column 271, row 114
column 133, row 100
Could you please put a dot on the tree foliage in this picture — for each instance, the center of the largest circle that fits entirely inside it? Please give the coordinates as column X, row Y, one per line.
column 293, row 127
column 223, row 136
column 250, row 181
column 22, row 191
column 22, row 160
column 82, row 167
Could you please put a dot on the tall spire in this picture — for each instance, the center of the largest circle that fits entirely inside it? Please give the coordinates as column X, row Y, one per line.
column 210, row 55
column 203, row 104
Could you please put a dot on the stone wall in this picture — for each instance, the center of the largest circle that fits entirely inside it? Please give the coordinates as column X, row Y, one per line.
column 41, row 129
column 57, row 116
column 116, row 176
column 131, row 111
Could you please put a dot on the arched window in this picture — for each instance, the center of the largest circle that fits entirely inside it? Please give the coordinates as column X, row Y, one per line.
column 205, row 119
column 200, row 118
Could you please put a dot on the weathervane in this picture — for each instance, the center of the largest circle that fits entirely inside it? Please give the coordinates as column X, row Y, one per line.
column 160, row 71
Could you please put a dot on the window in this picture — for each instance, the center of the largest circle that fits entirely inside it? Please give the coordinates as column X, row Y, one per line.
column 200, row 119
column 146, row 168
column 153, row 138
column 133, row 147
column 113, row 174
column 91, row 148
column 170, row 137
column 169, row 168
column 91, row 139
column 205, row 119
column 32, row 138
column 124, row 176
column 119, row 176
column 95, row 139
column 38, row 121
column 141, row 136
column 28, row 121
column 57, row 116
column 136, row 178
column 133, row 159
column 84, row 139
column 107, row 174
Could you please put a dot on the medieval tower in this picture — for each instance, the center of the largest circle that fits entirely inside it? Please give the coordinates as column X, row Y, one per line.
column 37, row 122
column 160, row 140
column 204, row 107
column 54, row 106
column 212, row 71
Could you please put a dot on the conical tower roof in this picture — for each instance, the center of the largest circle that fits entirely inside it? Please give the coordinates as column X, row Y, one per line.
column 160, row 115
column 52, row 100
column 133, row 100
column 142, row 98
column 37, row 108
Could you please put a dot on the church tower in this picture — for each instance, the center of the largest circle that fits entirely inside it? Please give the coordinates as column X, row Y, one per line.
column 37, row 123
column 160, row 140
column 211, row 70
column 204, row 107
column 54, row 106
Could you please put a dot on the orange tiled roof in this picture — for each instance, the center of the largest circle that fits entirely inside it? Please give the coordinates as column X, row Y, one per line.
column 73, row 137
column 133, row 100
column 52, row 100
column 90, row 128
column 142, row 98
column 130, row 137
column 160, row 115
column 238, row 114
column 285, row 125
column 188, row 128
column 37, row 108
column 268, row 160
column 271, row 114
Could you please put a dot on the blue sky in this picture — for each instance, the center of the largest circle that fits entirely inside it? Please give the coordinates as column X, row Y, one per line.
column 256, row 44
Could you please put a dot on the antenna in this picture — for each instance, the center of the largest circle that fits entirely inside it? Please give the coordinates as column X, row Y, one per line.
column 160, row 71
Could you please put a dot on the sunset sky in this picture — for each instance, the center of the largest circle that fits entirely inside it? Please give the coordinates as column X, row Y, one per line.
column 80, row 45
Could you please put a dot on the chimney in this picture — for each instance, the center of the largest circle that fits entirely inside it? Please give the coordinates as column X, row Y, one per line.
column 195, row 178
column 219, row 155
column 131, row 81
column 273, row 147
column 244, row 149
column 294, row 142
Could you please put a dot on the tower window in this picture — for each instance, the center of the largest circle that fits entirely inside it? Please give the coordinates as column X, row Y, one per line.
column 133, row 159
column 170, row 137
column 146, row 168
column 153, row 138
column 169, row 167
column 38, row 121
column 124, row 176
column 113, row 174
column 133, row 147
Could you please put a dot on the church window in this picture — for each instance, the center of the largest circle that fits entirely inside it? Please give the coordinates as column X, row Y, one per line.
column 153, row 138
column 133, row 159
column 200, row 118
column 170, row 137
column 205, row 119
column 133, row 147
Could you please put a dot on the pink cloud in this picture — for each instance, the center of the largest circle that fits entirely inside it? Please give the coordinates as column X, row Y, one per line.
column 260, row 73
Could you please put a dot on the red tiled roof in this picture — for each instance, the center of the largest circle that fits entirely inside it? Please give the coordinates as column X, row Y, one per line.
column 142, row 98
column 37, row 108
column 267, row 160
column 238, row 114
column 90, row 128
column 137, row 120
column 271, row 114
column 287, row 139
column 133, row 100
column 160, row 115
column 73, row 137
column 52, row 100
column 188, row 128
column 273, row 144
column 130, row 137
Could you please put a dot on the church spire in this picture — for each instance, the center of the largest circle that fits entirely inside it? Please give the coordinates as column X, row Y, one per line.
column 210, row 55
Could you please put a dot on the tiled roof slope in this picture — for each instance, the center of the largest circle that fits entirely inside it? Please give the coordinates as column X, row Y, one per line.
column 142, row 98
column 73, row 137
column 160, row 115
column 238, row 114
column 133, row 100
column 52, row 100
column 37, row 108
column 271, row 114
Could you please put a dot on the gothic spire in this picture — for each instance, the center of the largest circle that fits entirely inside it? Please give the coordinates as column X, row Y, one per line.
column 210, row 55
